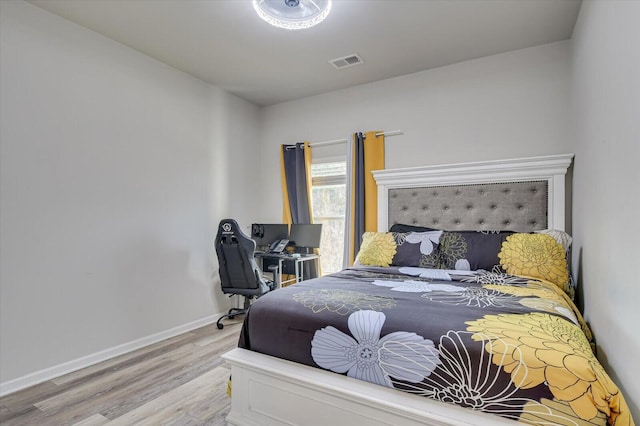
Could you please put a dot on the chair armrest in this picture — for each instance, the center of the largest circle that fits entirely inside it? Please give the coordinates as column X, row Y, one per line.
column 275, row 270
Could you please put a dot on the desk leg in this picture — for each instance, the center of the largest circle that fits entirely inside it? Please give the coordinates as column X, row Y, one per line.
column 280, row 269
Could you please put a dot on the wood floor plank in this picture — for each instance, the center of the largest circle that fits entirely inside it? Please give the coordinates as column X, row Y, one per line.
column 22, row 399
column 181, row 420
column 102, row 394
column 191, row 368
column 219, row 418
column 133, row 356
column 22, row 402
column 67, row 409
column 109, row 382
column 171, row 404
column 209, row 410
column 151, row 371
column 200, row 360
column 5, row 414
column 216, row 337
column 16, row 416
column 95, row 420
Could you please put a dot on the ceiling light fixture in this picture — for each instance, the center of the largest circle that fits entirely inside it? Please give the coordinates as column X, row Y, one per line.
column 293, row 14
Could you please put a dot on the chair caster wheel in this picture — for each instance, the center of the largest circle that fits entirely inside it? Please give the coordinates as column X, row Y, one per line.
column 220, row 326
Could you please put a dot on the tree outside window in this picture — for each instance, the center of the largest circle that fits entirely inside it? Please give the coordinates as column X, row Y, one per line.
column 328, row 197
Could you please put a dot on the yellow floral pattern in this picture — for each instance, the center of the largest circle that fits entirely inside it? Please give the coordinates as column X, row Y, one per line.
column 549, row 298
column 377, row 249
column 556, row 353
column 537, row 256
column 525, row 291
column 547, row 412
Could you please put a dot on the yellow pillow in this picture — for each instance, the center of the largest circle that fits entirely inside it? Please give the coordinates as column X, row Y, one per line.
column 377, row 249
column 537, row 256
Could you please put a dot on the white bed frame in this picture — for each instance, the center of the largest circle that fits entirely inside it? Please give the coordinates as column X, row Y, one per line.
column 271, row 391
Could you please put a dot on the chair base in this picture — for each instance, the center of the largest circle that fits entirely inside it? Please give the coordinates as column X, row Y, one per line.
column 233, row 312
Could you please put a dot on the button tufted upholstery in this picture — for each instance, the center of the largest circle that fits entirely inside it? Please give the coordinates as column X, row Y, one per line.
column 516, row 206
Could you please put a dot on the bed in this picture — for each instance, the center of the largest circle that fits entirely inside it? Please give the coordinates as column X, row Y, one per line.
column 435, row 327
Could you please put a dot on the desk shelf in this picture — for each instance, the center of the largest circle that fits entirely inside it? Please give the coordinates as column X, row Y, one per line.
column 283, row 260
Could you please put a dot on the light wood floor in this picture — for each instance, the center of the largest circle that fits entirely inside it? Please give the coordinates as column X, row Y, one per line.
column 179, row 381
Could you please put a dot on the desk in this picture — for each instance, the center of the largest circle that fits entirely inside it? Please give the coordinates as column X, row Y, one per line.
column 283, row 259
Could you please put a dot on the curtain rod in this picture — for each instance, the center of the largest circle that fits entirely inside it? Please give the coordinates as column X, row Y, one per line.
column 390, row 133
column 324, row 143
column 337, row 141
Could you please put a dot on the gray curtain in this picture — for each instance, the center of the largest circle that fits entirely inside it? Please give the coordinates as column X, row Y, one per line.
column 358, row 190
column 366, row 155
column 296, row 180
column 298, row 187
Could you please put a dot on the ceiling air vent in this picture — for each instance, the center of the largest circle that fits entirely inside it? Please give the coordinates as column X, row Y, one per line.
column 346, row 61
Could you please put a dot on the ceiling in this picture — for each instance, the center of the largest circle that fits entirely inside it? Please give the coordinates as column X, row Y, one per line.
column 225, row 43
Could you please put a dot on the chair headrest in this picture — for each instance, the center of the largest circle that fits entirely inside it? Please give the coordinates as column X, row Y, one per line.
column 229, row 227
column 229, row 232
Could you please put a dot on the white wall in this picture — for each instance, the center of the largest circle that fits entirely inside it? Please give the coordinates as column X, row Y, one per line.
column 606, row 106
column 503, row 106
column 115, row 170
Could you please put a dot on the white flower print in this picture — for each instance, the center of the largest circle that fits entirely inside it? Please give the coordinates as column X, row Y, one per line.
column 411, row 286
column 477, row 388
column 457, row 381
column 567, row 313
column 496, row 276
column 426, row 240
column 463, row 265
column 411, row 270
column 476, row 296
column 367, row 356
column 435, row 274
column 548, row 306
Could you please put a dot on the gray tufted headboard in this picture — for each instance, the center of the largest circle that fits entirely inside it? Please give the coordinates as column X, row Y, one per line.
column 516, row 206
column 520, row 195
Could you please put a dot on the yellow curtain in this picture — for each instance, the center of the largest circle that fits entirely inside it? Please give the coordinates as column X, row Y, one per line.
column 373, row 160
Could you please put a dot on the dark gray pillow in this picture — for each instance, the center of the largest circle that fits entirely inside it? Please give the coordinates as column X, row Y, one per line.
column 401, row 227
column 471, row 249
column 409, row 251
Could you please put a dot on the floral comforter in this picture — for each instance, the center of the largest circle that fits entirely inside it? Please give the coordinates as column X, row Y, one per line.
column 486, row 341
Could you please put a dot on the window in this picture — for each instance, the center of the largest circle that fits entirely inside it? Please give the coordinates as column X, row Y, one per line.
column 328, row 196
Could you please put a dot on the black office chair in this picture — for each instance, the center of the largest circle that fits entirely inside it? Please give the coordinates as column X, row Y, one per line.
column 239, row 272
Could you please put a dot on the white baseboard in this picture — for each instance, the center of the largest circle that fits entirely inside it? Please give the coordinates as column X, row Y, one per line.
column 85, row 361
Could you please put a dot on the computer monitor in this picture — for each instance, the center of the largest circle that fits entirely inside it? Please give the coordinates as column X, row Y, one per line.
column 266, row 233
column 305, row 235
